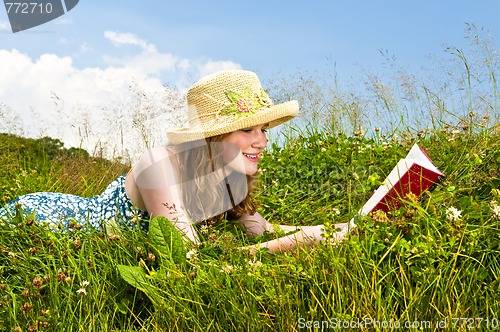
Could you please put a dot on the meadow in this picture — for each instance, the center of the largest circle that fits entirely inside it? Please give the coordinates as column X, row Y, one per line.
column 434, row 264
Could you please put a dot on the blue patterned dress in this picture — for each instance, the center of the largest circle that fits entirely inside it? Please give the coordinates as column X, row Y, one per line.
column 112, row 206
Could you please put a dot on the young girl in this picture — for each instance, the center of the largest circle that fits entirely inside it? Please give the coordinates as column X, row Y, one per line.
column 206, row 174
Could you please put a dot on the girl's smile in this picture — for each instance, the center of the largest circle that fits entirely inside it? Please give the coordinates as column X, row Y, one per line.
column 250, row 141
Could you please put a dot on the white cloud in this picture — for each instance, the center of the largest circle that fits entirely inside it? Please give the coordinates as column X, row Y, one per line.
column 5, row 26
column 184, row 64
column 52, row 97
column 151, row 62
column 206, row 67
column 146, row 63
column 84, row 48
column 126, row 38
column 85, row 107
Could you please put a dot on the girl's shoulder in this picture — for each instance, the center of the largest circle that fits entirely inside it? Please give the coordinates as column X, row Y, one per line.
column 154, row 155
column 154, row 170
column 154, row 160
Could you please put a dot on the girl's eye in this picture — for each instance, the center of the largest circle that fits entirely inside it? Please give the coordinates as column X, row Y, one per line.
column 249, row 130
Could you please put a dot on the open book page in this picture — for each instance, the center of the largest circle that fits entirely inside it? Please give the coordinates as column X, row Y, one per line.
column 414, row 174
column 417, row 153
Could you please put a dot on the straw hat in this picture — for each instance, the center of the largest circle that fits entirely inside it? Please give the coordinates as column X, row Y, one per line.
column 228, row 101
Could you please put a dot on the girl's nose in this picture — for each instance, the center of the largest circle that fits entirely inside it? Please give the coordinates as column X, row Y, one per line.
column 260, row 140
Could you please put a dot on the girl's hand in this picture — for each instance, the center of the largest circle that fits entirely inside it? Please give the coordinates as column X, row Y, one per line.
column 339, row 233
column 318, row 232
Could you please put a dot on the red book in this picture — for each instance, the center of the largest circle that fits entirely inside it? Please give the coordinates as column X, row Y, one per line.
column 413, row 174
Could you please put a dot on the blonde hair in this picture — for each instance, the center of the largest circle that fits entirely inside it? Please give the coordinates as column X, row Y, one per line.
column 196, row 162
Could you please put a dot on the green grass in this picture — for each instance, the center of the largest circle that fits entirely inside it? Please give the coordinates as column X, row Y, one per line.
column 415, row 265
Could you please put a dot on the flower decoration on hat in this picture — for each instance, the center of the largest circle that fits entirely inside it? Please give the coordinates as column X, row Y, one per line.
column 245, row 103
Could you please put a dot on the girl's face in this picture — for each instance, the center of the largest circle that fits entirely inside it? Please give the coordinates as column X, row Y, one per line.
column 250, row 141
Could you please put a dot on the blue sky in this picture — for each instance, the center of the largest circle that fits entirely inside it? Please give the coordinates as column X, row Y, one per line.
column 90, row 53
column 264, row 36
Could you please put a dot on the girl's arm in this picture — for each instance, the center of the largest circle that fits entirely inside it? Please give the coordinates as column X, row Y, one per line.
column 304, row 235
column 152, row 187
column 161, row 203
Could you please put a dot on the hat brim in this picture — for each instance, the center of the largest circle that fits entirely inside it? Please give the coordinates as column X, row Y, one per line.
column 274, row 116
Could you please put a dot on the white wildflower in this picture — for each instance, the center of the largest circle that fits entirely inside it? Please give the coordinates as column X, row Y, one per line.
column 495, row 208
column 254, row 263
column 81, row 291
column 453, row 214
column 204, row 229
column 83, row 288
column 226, row 268
column 191, row 254
column 335, row 211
